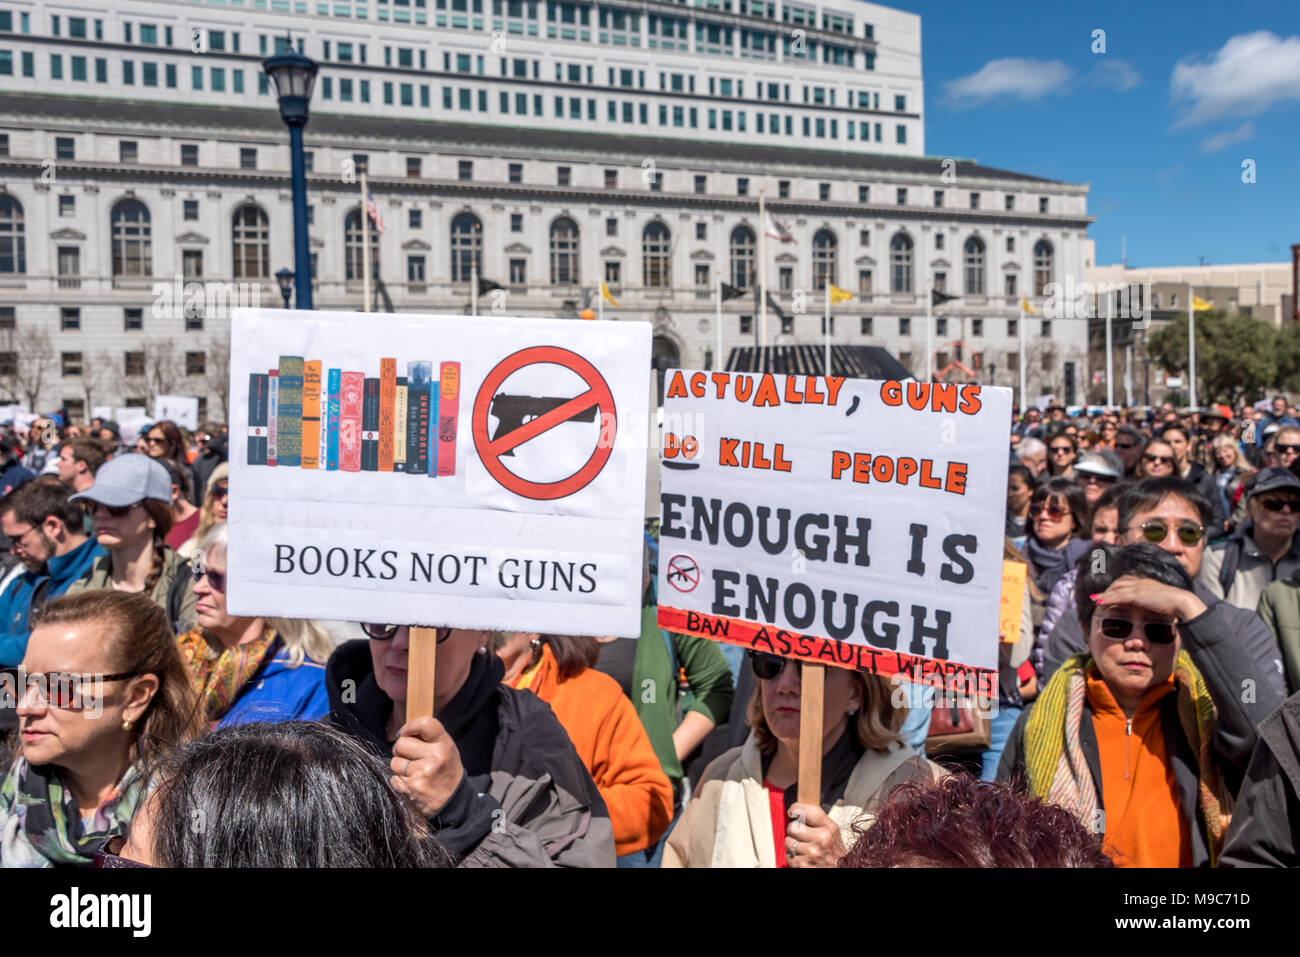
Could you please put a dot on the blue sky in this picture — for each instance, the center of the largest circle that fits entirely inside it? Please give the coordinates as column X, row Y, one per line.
column 1159, row 124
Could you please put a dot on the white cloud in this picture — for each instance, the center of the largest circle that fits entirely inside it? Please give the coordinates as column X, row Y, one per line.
column 1249, row 74
column 1218, row 141
column 1116, row 74
column 1014, row 77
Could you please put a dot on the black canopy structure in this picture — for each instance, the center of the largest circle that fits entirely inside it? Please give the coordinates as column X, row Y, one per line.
column 854, row 362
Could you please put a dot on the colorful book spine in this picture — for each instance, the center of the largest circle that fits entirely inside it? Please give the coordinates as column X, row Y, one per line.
column 418, row 384
column 272, row 416
column 332, row 425
column 433, row 430
column 448, row 412
column 370, row 426
column 351, row 399
column 399, row 425
column 387, row 401
column 311, row 458
column 289, row 413
column 258, row 408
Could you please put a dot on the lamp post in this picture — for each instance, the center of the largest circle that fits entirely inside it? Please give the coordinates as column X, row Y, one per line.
column 294, row 75
column 285, row 278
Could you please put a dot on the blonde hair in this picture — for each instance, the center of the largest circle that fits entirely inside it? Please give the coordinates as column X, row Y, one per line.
column 302, row 638
column 876, row 723
column 207, row 514
column 1228, row 442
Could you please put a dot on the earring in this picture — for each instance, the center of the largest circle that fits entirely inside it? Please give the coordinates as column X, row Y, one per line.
column 852, row 712
column 126, row 725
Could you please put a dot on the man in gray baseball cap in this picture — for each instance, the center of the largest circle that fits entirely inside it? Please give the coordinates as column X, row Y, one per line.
column 132, row 511
column 1264, row 548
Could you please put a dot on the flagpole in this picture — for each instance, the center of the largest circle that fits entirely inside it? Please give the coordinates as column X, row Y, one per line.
column 1021, row 326
column 1191, row 347
column 1110, row 352
column 762, row 271
column 826, row 324
column 365, row 243
column 717, row 282
column 929, row 343
column 473, row 288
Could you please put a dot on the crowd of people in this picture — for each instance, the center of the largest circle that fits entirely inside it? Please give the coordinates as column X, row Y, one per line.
column 1142, row 716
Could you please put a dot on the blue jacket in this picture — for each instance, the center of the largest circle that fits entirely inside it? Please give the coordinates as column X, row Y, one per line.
column 16, row 602
column 280, row 693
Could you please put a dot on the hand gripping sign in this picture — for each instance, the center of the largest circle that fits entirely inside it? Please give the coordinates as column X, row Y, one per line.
column 477, row 473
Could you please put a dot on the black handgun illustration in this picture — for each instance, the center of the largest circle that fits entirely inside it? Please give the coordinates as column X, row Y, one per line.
column 512, row 410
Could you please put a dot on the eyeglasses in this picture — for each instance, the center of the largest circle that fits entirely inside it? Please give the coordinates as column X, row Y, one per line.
column 17, row 540
column 1157, row 530
column 1292, row 505
column 1061, row 449
column 1054, row 512
column 1287, row 449
column 1126, row 445
column 60, row 689
column 155, row 439
column 1159, row 459
column 215, row 578
column 1092, row 478
column 1121, row 629
column 767, row 666
column 116, row 511
column 109, row 854
column 221, row 491
column 386, row 632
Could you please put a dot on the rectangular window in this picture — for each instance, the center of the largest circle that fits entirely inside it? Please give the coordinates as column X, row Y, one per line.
column 900, row 134
column 562, row 175
column 864, row 194
column 866, row 326
column 864, row 282
column 940, row 281
column 67, row 205
column 65, row 148
column 1009, row 284
column 701, row 274
column 132, row 319
column 56, row 67
column 902, row 195
column 133, row 364
column 71, row 364
column 192, row 263
column 785, row 279
column 1042, row 204
column 169, row 74
column 701, row 183
column 1046, row 331
column 742, row 186
column 1009, row 202
column 465, row 170
column 823, row 191
column 69, row 319
column 189, row 154
column 974, row 200
column 148, row 72
column 415, row 269
column 69, row 266
column 864, row 237
column 516, row 172
column 746, row 325
column 191, row 209
column 29, row 66
column 128, row 151
column 938, row 240
column 701, row 230
column 78, row 67
column 613, row 273
column 1011, row 244
column 518, row 272
column 611, row 226
column 414, row 219
column 1013, row 329
column 611, row 179
column 941, row 329
column 196, row 77
column 248, row 157
column 413, row 167
column 516, row 222
column 977, row 327
column 196, row 363
column 904, row 326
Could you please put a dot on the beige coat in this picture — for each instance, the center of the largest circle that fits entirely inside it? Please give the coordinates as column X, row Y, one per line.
column 728, row 822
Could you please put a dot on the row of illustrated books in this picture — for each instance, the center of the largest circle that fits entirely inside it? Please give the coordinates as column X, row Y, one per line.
column 354, row 423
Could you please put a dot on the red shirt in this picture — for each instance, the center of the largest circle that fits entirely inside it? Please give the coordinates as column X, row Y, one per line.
column 776, row 798
column 182, row 532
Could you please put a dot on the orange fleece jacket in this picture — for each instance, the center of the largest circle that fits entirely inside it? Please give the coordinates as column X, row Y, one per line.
column 612, row 743
column 1145, row 824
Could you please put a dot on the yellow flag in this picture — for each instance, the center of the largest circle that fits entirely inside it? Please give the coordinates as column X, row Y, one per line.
column 1024, row 304
column 838, row 294
column 604, row 294
column 1198, row 304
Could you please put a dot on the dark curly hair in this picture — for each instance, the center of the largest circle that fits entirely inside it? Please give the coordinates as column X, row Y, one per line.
column 962, row 822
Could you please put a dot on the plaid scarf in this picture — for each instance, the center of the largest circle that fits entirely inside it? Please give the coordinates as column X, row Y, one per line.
column 1058, row 771
column 220, row 674
column 41, row 825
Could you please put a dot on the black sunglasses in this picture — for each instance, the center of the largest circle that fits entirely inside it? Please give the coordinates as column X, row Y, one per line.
column 116, row 511
column 1121, row 629
column 767, row 666
column 109, row 854
column 220, row 491
column 1277, row 504
column 1287, row 449
column 215, row 578
column 386, row 632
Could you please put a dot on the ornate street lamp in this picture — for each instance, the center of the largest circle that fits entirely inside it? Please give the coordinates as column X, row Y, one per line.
column 285, row 278
column 294, row 75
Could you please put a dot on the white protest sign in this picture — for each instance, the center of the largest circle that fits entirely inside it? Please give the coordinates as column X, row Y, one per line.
column 131, row 422
column 482, row 472
column 181, row 409
column 851, row 522
column 101, row 412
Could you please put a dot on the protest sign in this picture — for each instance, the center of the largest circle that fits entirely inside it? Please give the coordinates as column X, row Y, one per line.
column 850, row 522
column 181, row 409
column 1013, row 600
column 479, row 472
column 101, row 412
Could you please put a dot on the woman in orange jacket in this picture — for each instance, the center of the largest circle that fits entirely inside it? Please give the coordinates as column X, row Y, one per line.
column 604, row 728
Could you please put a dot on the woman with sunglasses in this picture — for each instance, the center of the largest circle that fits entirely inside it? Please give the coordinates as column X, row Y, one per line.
column 493, row 771
column 1157, row 460
column 164, row 440
column 105, row 696
column 131, row 501
column 250, row 669
column 216, row 508
column 1062, row 451
column 1058, row 513
column 744, row 813
column 1141, row 743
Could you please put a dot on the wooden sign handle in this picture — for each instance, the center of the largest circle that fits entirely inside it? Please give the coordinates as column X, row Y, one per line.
column 810, row 733
column 420, row 667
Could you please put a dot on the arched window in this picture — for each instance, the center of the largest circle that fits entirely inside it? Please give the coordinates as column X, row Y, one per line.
column 1044, row 265
column 655, row 248
column 564, row 252
column 251, row 232
column 900, row 263
column 742, row 257
column 466, row 246
column 13, row 242
column 974, row 250
column 823, row 259
column 353, row 260
column 132, row 243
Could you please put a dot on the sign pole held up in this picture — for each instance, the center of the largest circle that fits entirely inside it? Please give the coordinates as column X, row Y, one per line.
column 419, row 677
column 810, row 733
